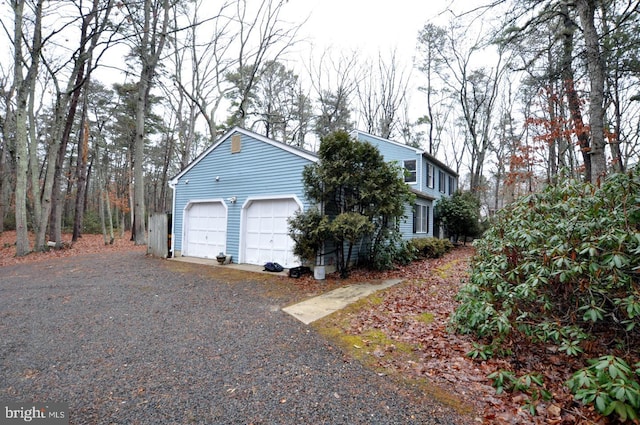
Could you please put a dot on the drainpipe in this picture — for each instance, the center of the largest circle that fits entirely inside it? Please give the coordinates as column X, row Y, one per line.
column 172, row 185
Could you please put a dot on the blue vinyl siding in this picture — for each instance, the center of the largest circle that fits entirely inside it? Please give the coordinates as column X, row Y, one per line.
column 397, row 152
column 260, row 169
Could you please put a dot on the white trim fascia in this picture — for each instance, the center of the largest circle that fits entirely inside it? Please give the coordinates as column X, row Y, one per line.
column 173, row 221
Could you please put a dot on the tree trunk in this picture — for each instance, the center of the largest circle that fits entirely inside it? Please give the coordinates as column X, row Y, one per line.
column 81, row 176
column 573, row 100
column 23, row 246
column 34, row 166
column 139, row 228
column 5, row 173
column 152, row 40
column 595, row 68
column 24, row 90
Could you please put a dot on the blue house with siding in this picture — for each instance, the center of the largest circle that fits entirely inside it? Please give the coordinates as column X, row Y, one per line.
column 428, row 178
column 237, row 196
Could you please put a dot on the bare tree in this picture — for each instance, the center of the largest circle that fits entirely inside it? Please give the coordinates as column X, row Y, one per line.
column 261, row 37
column 586, row 11
column 381, row 93
column 149, row 25
column 24, row 86
column 201, row 59
column 476, row 91
column 334, row 84
column 583, row 31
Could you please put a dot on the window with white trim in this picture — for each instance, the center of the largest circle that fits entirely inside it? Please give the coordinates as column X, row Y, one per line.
column 430, row 179
column 410, row 171
column 442, row 183
column 421, row 219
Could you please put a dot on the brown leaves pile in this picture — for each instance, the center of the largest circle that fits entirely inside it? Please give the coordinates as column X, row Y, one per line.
column 87, row 244
column 417, row 345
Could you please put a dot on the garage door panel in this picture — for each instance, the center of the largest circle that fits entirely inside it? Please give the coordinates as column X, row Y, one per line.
column 281, row 226
column 266, row 236
column 205, row 229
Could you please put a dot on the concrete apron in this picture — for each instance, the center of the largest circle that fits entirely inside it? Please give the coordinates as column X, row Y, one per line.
column 214, row 263
column 315, row 308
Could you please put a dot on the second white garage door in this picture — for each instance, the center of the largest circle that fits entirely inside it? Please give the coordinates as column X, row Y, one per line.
column 266, row 233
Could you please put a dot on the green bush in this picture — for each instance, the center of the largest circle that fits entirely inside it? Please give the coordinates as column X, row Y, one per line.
column 460, row 215
column 308, row 230
column 560, row 267
column 609, row 384
column 91, row 224
column 396, row 251
column 430, row 247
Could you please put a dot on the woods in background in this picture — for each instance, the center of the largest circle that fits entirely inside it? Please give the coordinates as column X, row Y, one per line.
column 101, row 102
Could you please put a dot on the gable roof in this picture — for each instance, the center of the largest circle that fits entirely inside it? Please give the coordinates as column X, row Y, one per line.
column 292, row 149
column 354, row 134
column 417, row 151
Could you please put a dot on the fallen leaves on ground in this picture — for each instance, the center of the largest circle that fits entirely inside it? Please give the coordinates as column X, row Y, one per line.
column 403, row 332
column 87, row 244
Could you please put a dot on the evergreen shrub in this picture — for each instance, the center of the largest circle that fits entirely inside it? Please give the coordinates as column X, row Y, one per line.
column 562, row 267
column 431, row 247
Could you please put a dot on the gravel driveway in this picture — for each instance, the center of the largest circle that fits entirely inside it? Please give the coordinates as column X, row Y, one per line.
column 126, row 339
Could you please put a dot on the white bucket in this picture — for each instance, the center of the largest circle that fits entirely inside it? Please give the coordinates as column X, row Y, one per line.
column 319, row 272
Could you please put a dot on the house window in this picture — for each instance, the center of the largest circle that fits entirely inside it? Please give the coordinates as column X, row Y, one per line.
column 441, row 181
column 410, row 171
column 421, row 219
column 430, row 176
column 452, row 185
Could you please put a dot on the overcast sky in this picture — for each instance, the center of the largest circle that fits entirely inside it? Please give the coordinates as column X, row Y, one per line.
column 368, row 26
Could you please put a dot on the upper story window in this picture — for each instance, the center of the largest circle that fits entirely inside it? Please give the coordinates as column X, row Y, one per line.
column 410, row 171
column 452, row 185
column 430, row 176
column 441, row 181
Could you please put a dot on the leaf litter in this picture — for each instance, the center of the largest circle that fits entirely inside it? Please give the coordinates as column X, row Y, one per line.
column 413, row 343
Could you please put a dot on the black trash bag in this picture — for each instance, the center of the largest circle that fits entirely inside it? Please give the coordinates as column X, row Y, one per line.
column 273, row 267
column 296, row 272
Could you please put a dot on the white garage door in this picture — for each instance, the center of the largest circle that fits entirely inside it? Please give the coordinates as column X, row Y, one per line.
column 266, row 235
column 205, row 231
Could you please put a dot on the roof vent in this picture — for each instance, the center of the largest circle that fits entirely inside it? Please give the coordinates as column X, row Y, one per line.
column 235, row 143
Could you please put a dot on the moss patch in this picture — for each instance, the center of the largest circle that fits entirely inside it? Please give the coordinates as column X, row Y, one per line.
column 444, row 270
column 425, row 318
column 379, row 352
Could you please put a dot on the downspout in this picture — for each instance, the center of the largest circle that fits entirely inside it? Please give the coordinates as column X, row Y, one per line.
column 319, row 269
column 172, row 185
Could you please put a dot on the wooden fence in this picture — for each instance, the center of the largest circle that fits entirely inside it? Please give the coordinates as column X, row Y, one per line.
column 158, row 240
